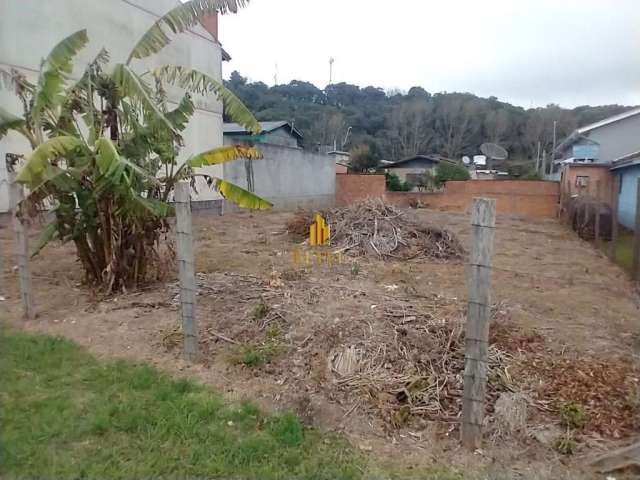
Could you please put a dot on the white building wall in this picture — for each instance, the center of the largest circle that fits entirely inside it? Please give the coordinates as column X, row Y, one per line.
column 30, row 28
column 288, row 177
column 617, row 139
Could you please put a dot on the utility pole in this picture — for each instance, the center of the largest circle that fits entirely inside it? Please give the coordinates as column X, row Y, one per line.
column 331, row 60
column 538, row 159
column 346, row 138
column 553, row 150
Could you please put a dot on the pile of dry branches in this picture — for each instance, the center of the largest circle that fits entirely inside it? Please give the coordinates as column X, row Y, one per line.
column 414, row 369
column 372, row 227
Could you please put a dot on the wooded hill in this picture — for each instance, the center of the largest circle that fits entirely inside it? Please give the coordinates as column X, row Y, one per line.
column 396, row 124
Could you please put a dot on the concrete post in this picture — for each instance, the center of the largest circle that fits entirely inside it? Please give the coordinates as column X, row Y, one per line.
column 186, row 272
column 21, row 229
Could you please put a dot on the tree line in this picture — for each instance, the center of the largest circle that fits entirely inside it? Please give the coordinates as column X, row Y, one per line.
column 395, row 125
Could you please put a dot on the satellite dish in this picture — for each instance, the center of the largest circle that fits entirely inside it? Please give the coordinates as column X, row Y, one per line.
column 466, row 160
column 494, row 151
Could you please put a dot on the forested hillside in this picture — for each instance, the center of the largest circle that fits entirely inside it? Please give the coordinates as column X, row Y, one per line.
column 396, row 124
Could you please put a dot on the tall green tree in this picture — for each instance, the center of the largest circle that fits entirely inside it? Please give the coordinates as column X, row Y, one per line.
column 402, row 124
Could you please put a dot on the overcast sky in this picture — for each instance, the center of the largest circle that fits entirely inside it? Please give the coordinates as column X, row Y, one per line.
column 527, row 52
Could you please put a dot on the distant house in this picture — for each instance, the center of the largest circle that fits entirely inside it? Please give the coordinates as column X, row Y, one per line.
column 627, row 169
column 603, row 141
column 412, row 169
column 613, row 144
column 273, row 133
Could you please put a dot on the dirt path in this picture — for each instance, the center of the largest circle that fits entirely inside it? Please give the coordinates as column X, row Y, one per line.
column 545, row 280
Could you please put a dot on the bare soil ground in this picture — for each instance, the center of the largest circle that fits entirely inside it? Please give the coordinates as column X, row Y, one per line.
column 358, row 347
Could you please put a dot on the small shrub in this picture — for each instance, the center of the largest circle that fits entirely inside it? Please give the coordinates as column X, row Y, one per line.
column 573, row 415
column 566, row 444
column 394, row 184
column 260, row 310
column 252, row 355
column 355, row 269
column 273, row 332
column 446, row 171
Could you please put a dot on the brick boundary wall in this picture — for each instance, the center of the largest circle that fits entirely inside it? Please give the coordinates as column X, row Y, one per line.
column 351, row 188
column 527, row 198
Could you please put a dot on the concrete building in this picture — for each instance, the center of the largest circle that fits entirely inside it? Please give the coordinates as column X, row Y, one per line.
column 627, row 169
column 287, row 176
column 603, row 141
column 274, row 133
column 30, row 28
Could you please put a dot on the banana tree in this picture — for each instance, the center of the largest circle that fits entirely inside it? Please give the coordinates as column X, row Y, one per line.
column 105, row 149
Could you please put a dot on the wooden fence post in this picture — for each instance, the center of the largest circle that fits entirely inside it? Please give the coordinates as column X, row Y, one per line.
column 186, row 273
column 636, row 238
column 483, row 222
column 614, row 217
column 597, row 214
column 585, row 219
column 21, row 229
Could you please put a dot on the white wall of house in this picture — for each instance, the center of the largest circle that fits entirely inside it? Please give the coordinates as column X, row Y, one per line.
column 617, row 139
column 30, row 28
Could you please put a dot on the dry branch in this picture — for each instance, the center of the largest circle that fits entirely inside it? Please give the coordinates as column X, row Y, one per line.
column 372, row 227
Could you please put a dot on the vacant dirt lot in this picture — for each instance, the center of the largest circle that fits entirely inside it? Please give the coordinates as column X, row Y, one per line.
column 372, row 348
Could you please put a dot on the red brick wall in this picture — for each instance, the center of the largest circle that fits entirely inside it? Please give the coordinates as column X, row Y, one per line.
column 351, row 188
column 513, row 197
column 210, row 24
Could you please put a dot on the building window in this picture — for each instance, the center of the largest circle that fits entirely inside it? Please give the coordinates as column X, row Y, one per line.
column 582, row 181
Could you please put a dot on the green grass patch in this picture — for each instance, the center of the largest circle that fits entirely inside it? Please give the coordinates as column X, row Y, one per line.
column 256, row 355
column 66, row 415
column 623, row 251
